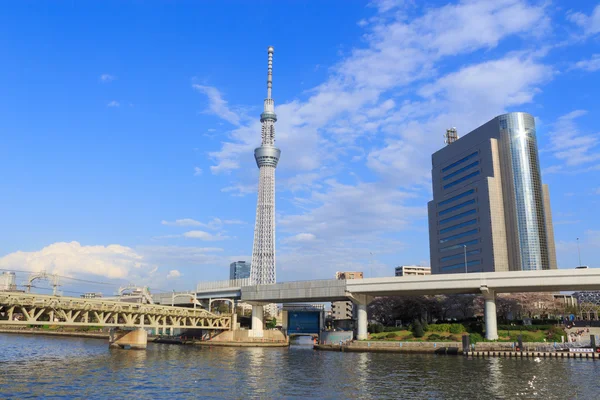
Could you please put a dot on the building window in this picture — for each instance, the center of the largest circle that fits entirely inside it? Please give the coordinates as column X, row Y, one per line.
column 462, row 160
column 457, row 226
column 456, row 207
column 464, row 178
column 455, row 266
column 460, row 235
column 459, row 196
column 458, row 216
column 459, row 245
column 460, row 171
column 459, row 255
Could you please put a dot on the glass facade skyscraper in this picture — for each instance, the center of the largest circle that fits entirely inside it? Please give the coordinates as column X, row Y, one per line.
column 490, row 211
column 239, row 270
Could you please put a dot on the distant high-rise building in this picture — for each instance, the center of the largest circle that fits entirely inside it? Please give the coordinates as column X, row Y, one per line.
column 8, row 281
column 344, row 310
column 267, row 157
column 407, row 270
column 239, row 270
column 489, row 203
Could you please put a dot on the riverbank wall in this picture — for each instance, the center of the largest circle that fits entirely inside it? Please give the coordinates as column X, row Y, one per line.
column 449, row 348
column 28, row 331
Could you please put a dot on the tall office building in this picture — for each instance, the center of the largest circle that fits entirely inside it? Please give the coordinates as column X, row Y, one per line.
column 267, row 157
column 489, row 202
column 239, row 270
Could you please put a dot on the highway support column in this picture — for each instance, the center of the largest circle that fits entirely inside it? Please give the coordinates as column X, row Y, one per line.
column 361, row 302
column 491, row 323
column 258, row 317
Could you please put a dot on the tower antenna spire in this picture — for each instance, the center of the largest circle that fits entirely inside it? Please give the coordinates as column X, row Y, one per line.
column 270, row 72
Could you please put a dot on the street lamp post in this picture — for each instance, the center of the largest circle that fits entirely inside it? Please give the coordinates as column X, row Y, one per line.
column 465, row 248
column 579, row 252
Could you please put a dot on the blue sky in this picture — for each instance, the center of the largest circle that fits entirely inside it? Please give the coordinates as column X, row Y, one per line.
column 128, row 128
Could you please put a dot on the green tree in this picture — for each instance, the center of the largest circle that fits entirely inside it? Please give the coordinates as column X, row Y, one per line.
column 417, row 329
column 271, row 324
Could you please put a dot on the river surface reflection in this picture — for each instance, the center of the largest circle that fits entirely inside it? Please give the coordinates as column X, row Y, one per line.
column 55, row 368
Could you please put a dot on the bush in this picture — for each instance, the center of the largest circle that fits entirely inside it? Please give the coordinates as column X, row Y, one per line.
column 375, row 328
column 475, row 327
column 417, row 329
column 391, row 328
column 527, row 328
column 391, row 335
column 425, row 326
column 438, row 328
column 434, row 337
column 476, row 337
column 555, row 334
column 457, row 328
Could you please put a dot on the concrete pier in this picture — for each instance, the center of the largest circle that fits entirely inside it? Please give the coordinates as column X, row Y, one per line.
column 136, row 339
column 258, row 317
column 491, row 324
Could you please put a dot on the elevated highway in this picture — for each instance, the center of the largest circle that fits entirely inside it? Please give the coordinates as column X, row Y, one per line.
column 362, row 291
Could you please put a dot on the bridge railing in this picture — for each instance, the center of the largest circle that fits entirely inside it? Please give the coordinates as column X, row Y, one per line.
column 229, row 283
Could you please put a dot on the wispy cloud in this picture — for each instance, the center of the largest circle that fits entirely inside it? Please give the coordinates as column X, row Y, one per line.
column 182, row 222
column 106, row 78
column 173, row 274
column 217, row 105
column 204, row 236
column 570, row 146
column 589, row 23
column 591, row 65
column 197, row 171
column 114, row 103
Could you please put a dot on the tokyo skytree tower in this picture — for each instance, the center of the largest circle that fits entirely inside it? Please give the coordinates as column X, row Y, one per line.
column 267, row 156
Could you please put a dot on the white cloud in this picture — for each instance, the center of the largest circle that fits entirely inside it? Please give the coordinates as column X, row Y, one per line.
column 204, row 236
column 569, row 145
column 301, row 237
column 590, row 24
column 591, row 65
column 197, row 171
column 216, row 104
column 114, row 103
column 387, row 105
column 105, row 78
column 173, row 274
column 182, row 222
column 73, row 259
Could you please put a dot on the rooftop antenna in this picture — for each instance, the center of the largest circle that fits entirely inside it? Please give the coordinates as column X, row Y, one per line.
column 451, row 136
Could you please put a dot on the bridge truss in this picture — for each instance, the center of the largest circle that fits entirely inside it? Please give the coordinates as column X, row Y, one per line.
column 35, row 309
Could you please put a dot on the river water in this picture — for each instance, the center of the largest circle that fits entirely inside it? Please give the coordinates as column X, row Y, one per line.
column 66, row 368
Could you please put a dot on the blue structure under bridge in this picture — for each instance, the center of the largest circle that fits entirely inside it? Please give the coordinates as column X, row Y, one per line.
column 303, row 319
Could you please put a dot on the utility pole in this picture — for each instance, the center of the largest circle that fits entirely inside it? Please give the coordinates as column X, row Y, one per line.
column 465, row 248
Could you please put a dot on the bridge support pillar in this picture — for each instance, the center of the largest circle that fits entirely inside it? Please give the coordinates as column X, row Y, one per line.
column 258, row 317
column 136, row 339
column 491, row 323
column 361, row 302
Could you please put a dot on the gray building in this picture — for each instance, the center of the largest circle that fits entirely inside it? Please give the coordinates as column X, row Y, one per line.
column 489, row 202
column 239, row 270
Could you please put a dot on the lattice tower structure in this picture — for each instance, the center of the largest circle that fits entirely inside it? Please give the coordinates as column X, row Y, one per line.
column 267, row 157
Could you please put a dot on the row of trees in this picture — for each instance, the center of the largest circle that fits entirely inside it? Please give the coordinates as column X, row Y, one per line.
column 388, row 310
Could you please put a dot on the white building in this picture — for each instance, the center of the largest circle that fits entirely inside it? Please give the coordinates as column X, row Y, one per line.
column 406, row 270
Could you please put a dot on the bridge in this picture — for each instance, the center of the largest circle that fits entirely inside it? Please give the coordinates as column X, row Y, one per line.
column 35, row 309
